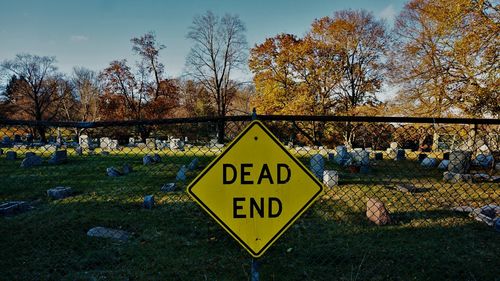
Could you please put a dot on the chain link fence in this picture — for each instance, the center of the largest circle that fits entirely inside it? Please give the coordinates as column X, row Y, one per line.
column 406, row 198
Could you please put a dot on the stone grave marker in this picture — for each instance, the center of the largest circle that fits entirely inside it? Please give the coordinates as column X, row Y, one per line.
column 59, row 157
column 376, row 212
column 59, row 192
column 104, row 232
column 149, row 202
column 317, row 165
column 11, row 155
column 330, row 178
column 31, row 161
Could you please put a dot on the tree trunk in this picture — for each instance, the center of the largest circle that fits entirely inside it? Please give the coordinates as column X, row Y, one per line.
column 220, row 131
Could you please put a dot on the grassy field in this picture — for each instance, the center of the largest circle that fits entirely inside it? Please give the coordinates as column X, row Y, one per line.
column 177, row 241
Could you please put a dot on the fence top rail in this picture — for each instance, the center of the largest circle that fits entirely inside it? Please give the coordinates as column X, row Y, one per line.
column 322, row 118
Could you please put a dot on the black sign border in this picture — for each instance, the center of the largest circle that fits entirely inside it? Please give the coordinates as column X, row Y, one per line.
column 288, row 224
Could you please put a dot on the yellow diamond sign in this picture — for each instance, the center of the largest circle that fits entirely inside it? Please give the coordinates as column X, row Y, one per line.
column 255, row 189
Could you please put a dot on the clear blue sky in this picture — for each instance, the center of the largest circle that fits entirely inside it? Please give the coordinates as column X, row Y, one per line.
column 91, row 33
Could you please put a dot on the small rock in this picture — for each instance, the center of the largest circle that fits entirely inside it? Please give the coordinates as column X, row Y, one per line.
column 31, row 162
column 104, row 232
column 113, row 172
column 463, row 209
column 127, row 169
column 149, row 202
column 168, row 187
column 59, row 192
column 13, row 207
column 405, row 187
column 376, row 212
column 11, row 155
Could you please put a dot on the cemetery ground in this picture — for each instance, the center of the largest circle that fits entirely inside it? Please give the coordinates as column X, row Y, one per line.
column 176, row 240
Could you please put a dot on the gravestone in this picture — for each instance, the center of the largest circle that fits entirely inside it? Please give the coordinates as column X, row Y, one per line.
column 400, row 155
column 6, row 141
column 13, row 207
column 376, row 212
column 127, row 169
column 421, row 157
column 160, row 144
column 79, row 151
column 379, row 156
column 484, row 160
column 113, row 172
column 104, row 142
column 342, row 155
column 31, row 161
column 29, row 138
column 168, row 187
column 156, row 158
column 459, row 162
column 131, row 141
column 429, row 162
column 174, row 143
column 104, row 153
column 29, row 154
column 113, row 144
column 49, row 147
column 104, row 232
column 181, row 174
column 11, row 155
column 59, row 192
column 151, row 143
column 84, row 141
column 446, row 156
column 443, row 165
column 148, row 160
column 317, row 165
column 330, row 178
column 149, row 202
column 59, row 157
column 180, row 146
column 17, row 139
column 193, row 165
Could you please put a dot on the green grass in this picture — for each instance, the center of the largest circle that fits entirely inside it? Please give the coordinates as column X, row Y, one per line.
column 177, row 241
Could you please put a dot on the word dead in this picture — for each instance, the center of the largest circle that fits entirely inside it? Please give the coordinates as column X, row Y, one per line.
column 248, row 174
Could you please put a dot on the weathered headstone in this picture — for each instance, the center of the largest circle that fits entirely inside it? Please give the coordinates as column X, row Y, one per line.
column 379, row 156
column 484, row 161
column 131, row 141
column 151, row 143
column 168, row 187
column 421, row 157
column 456, row 177
column 193, row 165
column 376, row 212
column 31, row 161
column 17, row 139
column 84, row 141
column 443, row 165
column 29, row 138
column 330, row 178
column 317, row 165
column 148, row 160
column 400, row 155
column 79, row 151
column 59, row 157
column 342, row 155
column 459, row 162
column 113, row 172
column 149, row 202
column 104, row 153
column 181, row 174
column 104, row 142
column 11, row 155
column 127, row 169
column 113, row 144
column 174, row 143
column 156, row 158
column 429, row 162
column 6, row 142
column 59, row 192
column 104, row 232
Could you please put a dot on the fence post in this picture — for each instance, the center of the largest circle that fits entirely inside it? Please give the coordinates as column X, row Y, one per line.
column 255, row 263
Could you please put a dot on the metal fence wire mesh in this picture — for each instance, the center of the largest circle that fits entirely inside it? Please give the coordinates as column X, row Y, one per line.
column 405, row 198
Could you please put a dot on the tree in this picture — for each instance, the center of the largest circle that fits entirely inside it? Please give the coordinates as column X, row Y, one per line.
column 219, row 48
column 36, row 94
column 87, row 90
column 446, row 58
